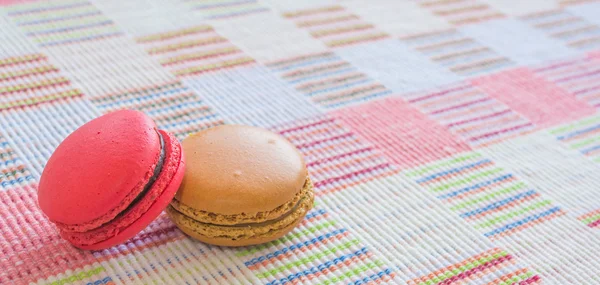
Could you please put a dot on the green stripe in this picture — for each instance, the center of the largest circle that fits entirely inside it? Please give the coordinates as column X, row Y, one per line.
column 306, row 260
column 591, row 219
column 286, row 238
column 6, row 154
column 12, row 173
column 488, row 197
column 459, row 159
column 576, row 125
column 585, row 142
column 467, row 179
column 513, row 214
column 469, row 266
column 79, row 276
column 517, row 279
column 597, row 159
column 353, row 272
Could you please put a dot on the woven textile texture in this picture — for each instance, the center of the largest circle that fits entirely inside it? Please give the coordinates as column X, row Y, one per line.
column 449, row 141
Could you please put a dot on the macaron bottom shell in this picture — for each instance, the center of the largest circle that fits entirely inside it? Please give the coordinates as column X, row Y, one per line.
column 247, row 233
column 136, row 217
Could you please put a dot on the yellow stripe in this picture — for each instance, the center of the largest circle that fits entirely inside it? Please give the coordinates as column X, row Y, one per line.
column 38, row 84
column 174, row 34
column 21, row 59
column 312, row 11
column 356, row 39
column 27, row 72
column 199, row 55
column 187, row 44
column 38, row 100
column 218, row 65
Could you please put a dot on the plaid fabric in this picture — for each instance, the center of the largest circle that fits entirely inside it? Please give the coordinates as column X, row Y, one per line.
column 450, row 141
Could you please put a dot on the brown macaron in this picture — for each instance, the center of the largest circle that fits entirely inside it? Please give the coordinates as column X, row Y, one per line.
column 242, row 186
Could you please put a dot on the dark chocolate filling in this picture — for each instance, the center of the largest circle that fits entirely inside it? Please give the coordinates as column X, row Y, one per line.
column 150, row 183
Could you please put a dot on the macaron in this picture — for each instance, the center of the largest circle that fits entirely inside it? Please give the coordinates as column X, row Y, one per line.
column 242, row 186
column 110, row 178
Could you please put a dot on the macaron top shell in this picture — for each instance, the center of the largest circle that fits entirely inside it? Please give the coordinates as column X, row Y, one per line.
column 103, row 166
column 234, row 169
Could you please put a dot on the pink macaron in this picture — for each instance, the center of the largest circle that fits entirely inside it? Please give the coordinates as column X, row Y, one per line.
column 110, row 178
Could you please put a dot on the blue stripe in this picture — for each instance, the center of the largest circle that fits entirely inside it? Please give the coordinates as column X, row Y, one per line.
column 298, row 245
column 319, row 60
column 19, row 180
column 74, row 16
column 313, row 214
column 340, row 87
column 10, row 161
column 322, row 75
column 320, row 267
column 260, row 9
column 70, row 28
column 353, row 100
column 373, row 277
column 590, row 149
column 522, row 222
column 294, row 247
column 476, row 186
column 80, row 39
column 579, row 132
column 3, row 144
column 452, row 171
column 498, row 204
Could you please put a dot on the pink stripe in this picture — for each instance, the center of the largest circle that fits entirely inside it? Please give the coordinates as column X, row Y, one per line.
column 406, row 136
column 583, row 75
column 328, row 120
column 531, row 280
column 343, row 136
column 594, row 224
column 328, row 159
column 481, row 268
column 555, row 66
column 542, row 102
column 31, row 246
column 460, row 106
column 350, row 175
column 441, row 93
column 587, row 90
column 500, row 132
column 480, row 118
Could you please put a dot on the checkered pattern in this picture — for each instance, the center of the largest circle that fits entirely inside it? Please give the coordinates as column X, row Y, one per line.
column 449, row 141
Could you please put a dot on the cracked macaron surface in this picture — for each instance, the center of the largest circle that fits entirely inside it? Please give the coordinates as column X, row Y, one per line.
column 110, row 178
column 242, row 186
